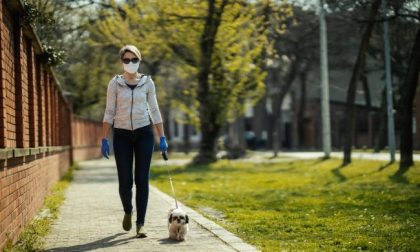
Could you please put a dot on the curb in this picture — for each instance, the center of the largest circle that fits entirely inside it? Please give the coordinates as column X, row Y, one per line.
column 227, row 237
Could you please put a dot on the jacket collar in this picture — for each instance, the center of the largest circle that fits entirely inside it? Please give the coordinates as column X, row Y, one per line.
column 120, row 80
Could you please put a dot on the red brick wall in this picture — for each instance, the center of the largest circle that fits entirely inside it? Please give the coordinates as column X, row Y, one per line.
column 34, row 116
column 87, row 135
column 8, row 79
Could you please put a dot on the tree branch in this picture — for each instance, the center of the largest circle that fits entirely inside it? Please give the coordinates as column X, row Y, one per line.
column 185, row 17
column 389, row 18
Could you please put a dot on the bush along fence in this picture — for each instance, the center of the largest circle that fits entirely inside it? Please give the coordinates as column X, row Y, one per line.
column 39, row 136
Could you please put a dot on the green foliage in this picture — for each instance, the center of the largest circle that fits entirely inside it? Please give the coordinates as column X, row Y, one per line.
column 53, row 56
column 35, row 16
column 311, row 205
column 168, row 34
column 45, row 24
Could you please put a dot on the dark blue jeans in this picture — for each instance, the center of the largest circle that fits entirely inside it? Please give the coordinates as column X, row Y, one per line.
column 137, row 143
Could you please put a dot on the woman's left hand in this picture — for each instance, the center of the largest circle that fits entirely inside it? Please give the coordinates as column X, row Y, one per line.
column 163, row 144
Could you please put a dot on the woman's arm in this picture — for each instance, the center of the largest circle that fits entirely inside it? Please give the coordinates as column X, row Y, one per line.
column 159, row 129
column 111, row 101
column 154, row 109
column 105, row 129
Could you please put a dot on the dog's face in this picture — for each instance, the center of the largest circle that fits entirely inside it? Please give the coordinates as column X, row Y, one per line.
column 178, row 216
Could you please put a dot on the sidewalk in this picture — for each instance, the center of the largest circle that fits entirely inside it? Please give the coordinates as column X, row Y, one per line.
column 90, row 219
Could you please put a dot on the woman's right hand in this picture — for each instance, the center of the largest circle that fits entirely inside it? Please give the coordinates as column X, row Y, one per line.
column 105, row 147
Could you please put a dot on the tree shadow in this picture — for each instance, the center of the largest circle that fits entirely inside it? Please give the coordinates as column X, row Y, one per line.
column 399, row 177
column 383, row 167
column 320, row 160
column 337, row 172
column 102, row 243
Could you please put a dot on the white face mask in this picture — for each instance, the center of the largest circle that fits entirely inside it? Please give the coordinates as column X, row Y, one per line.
column 131, row 67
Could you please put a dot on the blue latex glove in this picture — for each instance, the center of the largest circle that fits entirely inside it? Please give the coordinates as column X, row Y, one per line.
column 163, row 144
column 105, row 147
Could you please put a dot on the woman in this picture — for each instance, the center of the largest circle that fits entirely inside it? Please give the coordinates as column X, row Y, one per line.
column 131, row 99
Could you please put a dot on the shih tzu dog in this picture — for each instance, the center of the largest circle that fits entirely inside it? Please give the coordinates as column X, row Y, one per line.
column 178, row 224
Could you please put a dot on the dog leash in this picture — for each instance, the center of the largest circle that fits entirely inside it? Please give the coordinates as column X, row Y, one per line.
column 165, row 157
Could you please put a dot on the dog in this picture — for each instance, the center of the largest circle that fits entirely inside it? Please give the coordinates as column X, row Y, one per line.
column 177, row 224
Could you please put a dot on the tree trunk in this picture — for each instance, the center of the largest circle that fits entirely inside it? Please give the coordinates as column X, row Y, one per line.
column 366, row 91
column 406, row 107
column 186, row 138
column 278, row 101
column 381, row 137
column 236, row 147
column 209, row 124
column 357, row 72
column 302, row 107
column 277, row 132
column 368, row 100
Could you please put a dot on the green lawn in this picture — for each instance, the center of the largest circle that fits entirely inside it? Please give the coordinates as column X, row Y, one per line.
column 305, row 205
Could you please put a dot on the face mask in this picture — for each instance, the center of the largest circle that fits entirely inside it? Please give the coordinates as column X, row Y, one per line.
column 131, row 67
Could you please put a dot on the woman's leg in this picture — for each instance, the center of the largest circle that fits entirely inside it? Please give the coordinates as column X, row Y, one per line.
column 143, row 148
column 123, row 149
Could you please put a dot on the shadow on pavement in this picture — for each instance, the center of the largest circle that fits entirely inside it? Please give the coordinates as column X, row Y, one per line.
column 168, row 241
column 102, row 243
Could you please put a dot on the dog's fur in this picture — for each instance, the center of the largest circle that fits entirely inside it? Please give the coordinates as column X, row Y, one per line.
column 177, row 224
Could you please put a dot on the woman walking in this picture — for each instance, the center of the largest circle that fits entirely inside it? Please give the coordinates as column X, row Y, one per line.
column 131, row 103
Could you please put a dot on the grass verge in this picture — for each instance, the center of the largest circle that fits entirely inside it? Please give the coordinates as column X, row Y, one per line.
column 31, row 238
column 309, row 205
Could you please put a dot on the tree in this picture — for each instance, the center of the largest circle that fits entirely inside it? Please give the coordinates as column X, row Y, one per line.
column 226, row 68
column 356, row 75
column 408, row 93
column 294, row 51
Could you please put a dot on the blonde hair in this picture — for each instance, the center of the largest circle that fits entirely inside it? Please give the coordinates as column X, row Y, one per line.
column 130, row 48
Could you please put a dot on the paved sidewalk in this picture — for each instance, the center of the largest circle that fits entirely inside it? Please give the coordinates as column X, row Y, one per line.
column 90, row 219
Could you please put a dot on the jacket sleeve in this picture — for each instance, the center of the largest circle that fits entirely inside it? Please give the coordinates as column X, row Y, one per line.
column 152, row 103
column 111, row 102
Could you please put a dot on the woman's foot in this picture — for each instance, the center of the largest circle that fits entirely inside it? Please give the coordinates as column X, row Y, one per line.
column 126, row 223
column 141, row 232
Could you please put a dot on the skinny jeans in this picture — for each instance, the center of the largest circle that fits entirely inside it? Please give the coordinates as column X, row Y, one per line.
column 127, row 144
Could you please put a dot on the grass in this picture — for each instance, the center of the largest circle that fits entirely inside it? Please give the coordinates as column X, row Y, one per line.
column 311, row 205
column 174, row 155
column 31, row 238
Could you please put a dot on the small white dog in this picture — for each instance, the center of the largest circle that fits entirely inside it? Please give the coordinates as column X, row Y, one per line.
column 177, row 224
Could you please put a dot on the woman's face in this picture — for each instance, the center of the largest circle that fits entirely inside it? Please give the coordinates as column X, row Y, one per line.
column 128, row 55
column 130, row 62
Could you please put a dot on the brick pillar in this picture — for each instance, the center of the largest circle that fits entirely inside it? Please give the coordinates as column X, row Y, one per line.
column 31, row 95
column 55, row 109
column 17, row 41
column 57, row 116
column 40, row 95
column 52, row 109
column 8, row 78
column 2, row 88
column 25, row 91
column 47, row 109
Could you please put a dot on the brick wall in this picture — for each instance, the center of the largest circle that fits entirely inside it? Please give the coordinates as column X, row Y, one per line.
column 86, row 137
column 39, row 136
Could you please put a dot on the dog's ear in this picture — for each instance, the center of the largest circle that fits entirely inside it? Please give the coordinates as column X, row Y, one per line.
column 186, row 219
column 170, row 218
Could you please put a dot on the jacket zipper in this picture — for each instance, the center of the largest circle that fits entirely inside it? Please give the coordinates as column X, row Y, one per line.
column 131, row 112
column 132, row 101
